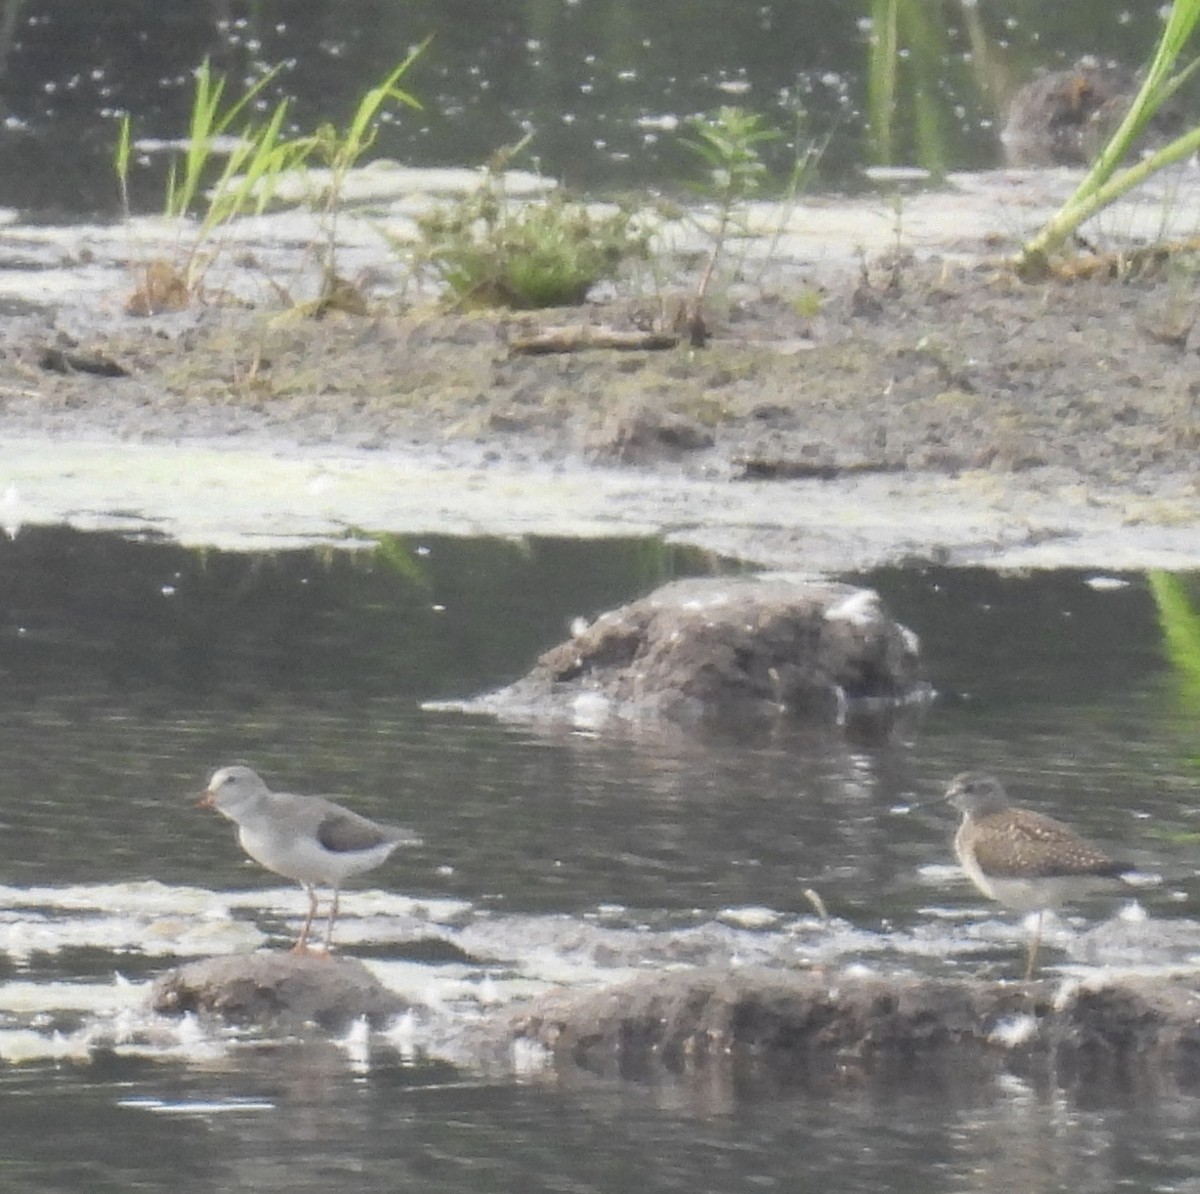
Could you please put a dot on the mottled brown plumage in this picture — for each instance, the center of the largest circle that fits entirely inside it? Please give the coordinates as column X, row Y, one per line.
column 1015, row 843
column 1020, row 858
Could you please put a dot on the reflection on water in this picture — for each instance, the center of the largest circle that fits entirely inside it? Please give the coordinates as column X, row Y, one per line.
column 273, row 1125
column 602, row 84
column 131, row 669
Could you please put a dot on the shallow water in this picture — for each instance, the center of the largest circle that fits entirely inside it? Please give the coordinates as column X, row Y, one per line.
column 605, row 87
column 132, row 668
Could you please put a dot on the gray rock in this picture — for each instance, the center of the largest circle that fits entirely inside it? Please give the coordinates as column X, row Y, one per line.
column 1064, row 117
column 277, row 988
column 794, row 1027
column 736, row 651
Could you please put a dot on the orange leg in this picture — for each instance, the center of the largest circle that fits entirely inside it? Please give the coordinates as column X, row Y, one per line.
column 301, row 946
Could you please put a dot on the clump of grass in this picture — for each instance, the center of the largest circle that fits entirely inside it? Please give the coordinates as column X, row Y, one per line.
column 1104, row 183
column 491, row 251
column 256, row 156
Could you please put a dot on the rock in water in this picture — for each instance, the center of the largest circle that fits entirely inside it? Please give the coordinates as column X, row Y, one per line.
column 799, row 1028
column 736, row 652
column 277, row 988
column 1064, row 117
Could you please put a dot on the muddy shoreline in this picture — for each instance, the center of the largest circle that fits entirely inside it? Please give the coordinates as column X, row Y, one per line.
column 923, row 407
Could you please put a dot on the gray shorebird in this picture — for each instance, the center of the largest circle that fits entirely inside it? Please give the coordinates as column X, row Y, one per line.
column 307, row 838
column 1022, row 859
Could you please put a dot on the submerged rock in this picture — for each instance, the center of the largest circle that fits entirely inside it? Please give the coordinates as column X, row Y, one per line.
column 734, row 651
column 277, row 987
column 1064, row 117
column 796, row 1026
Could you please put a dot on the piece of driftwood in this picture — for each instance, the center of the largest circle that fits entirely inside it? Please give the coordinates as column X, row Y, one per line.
column 65, row 360
column 578, row 337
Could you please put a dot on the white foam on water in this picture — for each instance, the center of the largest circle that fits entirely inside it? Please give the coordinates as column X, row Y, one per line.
column 750, row 918
column 939, row 873
column 24, row 934
column 1014, row 1031
column 23, row 1045
column 118, row 1021
column 388, row 903
column 356, row 1044
column 145, row 897
column 150, row 896
column 184, row 1039
column 197, row 1106
column 530, row 1057
column 159, row 920
column 30, row 998
column 454, row 988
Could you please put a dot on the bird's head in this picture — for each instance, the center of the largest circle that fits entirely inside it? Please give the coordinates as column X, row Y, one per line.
column 232, row 788
column 975, row 793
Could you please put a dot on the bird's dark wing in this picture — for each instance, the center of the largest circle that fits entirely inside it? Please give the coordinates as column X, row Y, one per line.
column 342, row 831
column 1021, row 844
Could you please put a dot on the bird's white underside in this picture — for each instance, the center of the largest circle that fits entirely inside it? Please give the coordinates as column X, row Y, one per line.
column 1023, row 895
column 304, row 859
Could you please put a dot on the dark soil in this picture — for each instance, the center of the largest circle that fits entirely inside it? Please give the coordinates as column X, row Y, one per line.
column 916, row 368
column 797, row 1028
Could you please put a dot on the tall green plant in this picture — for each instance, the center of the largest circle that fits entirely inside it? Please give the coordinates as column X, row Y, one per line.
column 728, row 145
column 1180, row 624
column 1104, row 183
column 256, row 155
column 340, row 151
column 913, row 25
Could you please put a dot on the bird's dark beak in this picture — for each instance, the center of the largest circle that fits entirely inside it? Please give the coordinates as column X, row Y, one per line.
column 206, row 799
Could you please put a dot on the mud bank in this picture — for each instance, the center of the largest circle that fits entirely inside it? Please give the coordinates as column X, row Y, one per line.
column 923, row 405
column 794, row 1029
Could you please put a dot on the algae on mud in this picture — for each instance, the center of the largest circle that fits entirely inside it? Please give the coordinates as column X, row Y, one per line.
column 929, row 407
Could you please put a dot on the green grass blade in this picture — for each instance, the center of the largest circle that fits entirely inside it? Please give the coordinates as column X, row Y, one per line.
column 1180, row 625
column 882, row 62
column 1103, row 184
column 121, row 159
column 358, row 135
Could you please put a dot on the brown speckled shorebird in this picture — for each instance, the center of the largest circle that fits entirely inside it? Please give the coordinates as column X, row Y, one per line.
column 1020, row 858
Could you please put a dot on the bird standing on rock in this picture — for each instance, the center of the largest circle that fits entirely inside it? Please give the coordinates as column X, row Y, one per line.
column 1019, row 858
column 306, row 838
